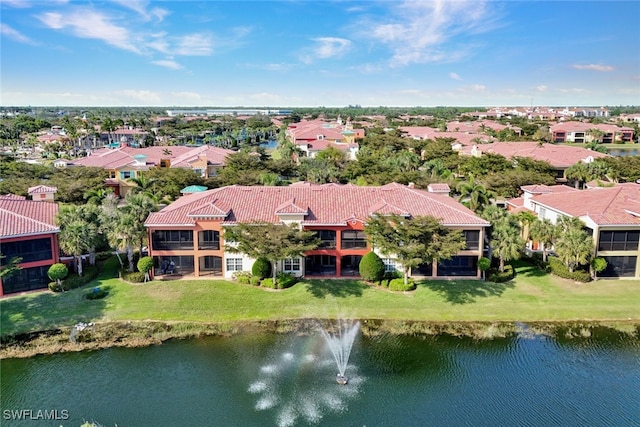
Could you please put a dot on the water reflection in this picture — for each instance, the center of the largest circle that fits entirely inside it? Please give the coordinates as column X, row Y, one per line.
column 286, row 380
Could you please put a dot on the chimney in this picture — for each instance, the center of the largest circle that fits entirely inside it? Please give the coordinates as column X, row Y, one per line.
column 411, row 185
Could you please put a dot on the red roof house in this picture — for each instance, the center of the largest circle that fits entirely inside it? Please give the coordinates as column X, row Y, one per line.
column 189, row 232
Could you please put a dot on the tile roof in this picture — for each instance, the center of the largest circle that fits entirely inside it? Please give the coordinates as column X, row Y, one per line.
column 26, row 217
column 326, row 204
column 559, row 156
column 605, row 206
column 547, row 189
column 181, row 156
column 42, row 189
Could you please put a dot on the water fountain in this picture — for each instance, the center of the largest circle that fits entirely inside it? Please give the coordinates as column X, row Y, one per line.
column 340, row 343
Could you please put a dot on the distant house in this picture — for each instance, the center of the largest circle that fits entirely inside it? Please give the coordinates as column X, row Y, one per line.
column 190, row 232
column 126, row 162
column 581, row 132
column 42, row 193
column 610, row 214
column 561, row 157
column 314, row 136
column 27, row 231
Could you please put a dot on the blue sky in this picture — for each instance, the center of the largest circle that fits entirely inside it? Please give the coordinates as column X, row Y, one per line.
column 303, row 53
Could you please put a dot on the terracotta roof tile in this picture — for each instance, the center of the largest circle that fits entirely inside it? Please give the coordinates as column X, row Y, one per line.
column 327, row 204
column 26, row 217
column 605, row 206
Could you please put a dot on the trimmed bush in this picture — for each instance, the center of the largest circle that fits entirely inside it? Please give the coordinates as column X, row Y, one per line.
column 132, row 276
column 371, row 267
column 399, row 286
column 145, row 264
column 255, row 280
column 96, row 293
column 75, row 281
column 58, row 272
column 389, row 276
column 242, row 277
column 558, row 268
column 285, row 280
column 599, row 264
column 268, row 283
column 261, row 268
column 497, row 276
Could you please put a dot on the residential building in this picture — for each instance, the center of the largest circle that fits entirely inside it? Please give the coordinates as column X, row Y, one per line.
column 314, row 136
column 561, row 157
column 42, row 193
column 582, row 132
column 126, row 162
column 27, row 231
column 190, row 232
column 610, row 214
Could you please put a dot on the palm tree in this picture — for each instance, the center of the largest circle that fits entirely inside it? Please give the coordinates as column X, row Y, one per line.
column 526, row 218
column 506, row 243
column 76, row 238
column 143, row 185
column 473, row 194
column 545, row 233
column 579, row 173
column 96, row 196
column 139, row 206
column 574, row 247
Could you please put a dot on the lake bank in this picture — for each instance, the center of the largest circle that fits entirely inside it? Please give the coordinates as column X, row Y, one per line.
column 146, row 333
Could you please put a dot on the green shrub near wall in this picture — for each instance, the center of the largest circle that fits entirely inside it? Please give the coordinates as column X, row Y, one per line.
column 74, row 281
column 558, row 268
column 261, row 268
column 497, row 276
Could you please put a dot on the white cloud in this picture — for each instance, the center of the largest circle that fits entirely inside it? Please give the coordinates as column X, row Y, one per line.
column 420, row 29
column 18, row 4
column 87, row 23
column 455, row 76
column 15, row 35
column 542, row 88
column 593, row 67
column 194, row 45
column 325, row 48
column 147, row 97
column 141, row 7
column 168, row 63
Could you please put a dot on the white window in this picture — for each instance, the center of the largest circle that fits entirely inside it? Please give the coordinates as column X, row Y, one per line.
column 390, row 264
column 541, row 213
column 291, row 264
column 234, row 264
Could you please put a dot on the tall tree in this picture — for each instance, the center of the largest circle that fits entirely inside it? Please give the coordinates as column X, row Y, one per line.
column 414, row 241
column 273, row 242
column 545, row 233
column 79, row 232
column 139, row 206
column 574, row 247
column 506, row 242
column 473, row 194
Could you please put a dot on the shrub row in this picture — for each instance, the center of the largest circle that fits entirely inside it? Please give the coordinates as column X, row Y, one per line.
column 498, row 276
column 132, row 276
column 283, row 280
column 398, row 285
column 74, row 281
column 558, row 268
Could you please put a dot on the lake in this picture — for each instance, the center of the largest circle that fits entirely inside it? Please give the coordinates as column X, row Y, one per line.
column 287, row 380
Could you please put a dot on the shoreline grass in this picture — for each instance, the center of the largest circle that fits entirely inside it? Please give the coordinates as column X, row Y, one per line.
column 532, row 297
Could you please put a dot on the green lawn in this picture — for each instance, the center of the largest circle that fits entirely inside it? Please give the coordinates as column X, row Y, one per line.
column 532, row 296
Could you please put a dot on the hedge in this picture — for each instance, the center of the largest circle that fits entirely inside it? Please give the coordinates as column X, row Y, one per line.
column 558, row 268
column 497, row 276
column 74, row 281
column 398, row 285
